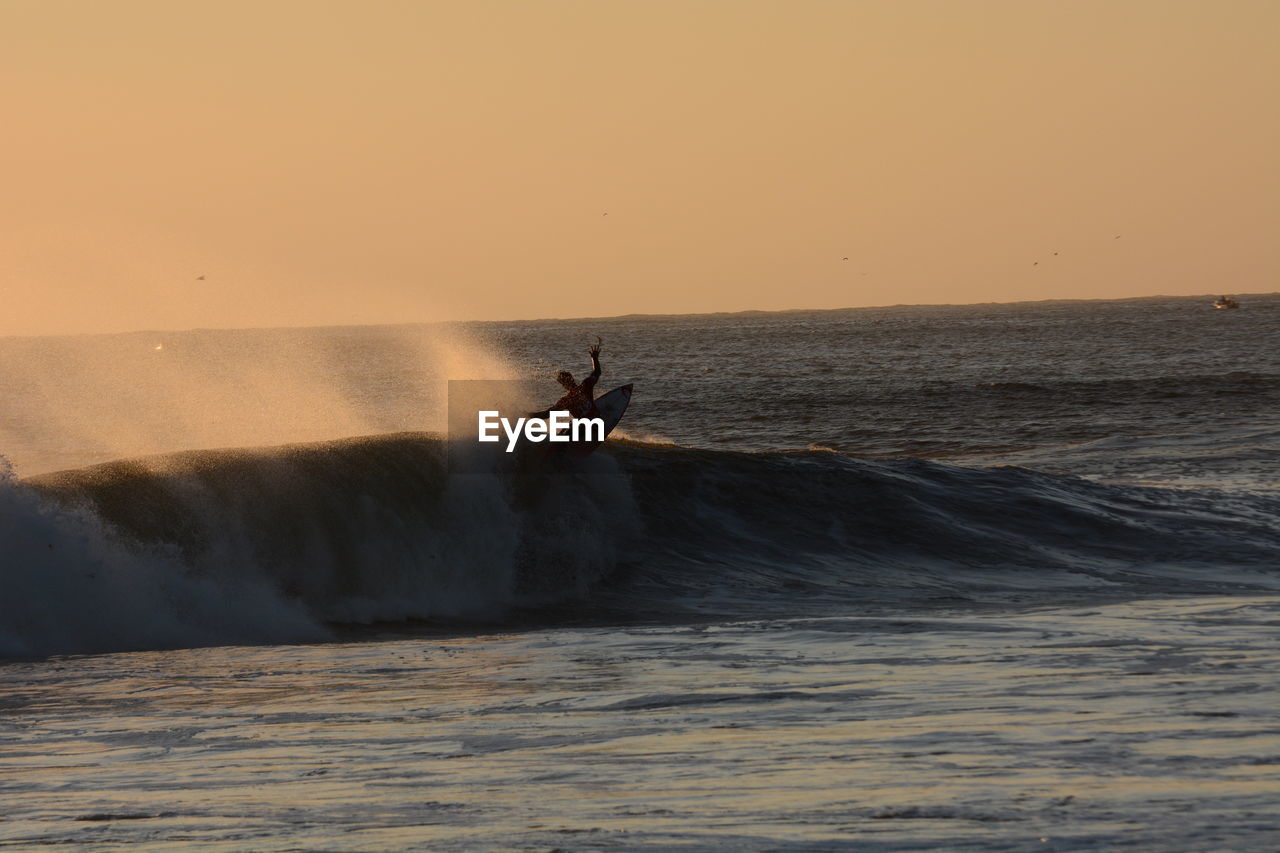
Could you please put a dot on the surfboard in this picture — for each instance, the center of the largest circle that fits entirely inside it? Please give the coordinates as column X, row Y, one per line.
column 612, row 406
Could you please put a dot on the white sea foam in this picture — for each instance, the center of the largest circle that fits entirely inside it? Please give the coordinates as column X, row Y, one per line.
column 70, row 586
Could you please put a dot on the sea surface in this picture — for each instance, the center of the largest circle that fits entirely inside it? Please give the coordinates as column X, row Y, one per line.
column 985, row 577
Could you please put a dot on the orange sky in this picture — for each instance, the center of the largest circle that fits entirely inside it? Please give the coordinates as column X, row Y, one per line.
column 329, row 163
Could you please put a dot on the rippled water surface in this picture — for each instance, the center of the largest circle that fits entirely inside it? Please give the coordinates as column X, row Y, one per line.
column 999, row 577
column 1148, row 726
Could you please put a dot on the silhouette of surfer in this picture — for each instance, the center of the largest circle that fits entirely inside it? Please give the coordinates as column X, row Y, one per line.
column 579, row 398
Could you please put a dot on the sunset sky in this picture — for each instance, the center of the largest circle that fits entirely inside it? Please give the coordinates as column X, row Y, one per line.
column 340, row 162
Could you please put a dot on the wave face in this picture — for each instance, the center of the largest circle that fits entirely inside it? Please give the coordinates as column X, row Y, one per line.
column 815, row 528
column 275, row 544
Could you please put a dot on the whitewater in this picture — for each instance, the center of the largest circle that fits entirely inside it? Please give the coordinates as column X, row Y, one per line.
column 992, row 577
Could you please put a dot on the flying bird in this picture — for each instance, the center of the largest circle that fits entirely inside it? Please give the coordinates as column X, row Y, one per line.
column 199, row 278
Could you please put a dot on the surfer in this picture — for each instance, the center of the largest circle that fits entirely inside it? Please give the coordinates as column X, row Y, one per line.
column 579, row 398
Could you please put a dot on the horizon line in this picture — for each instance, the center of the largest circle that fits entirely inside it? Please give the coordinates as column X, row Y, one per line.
column 628, row 316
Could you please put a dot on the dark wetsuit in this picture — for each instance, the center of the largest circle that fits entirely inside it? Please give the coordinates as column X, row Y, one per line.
column 579, row 402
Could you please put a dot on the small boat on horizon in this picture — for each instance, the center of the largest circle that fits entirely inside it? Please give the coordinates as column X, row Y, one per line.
column 1225, row 302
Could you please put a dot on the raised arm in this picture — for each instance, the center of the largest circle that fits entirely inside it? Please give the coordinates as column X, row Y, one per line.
column 594, row 350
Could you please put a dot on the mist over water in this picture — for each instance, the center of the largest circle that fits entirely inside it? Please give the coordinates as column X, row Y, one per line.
column 83, row 399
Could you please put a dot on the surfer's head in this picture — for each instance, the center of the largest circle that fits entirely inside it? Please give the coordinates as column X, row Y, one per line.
column 565, row 378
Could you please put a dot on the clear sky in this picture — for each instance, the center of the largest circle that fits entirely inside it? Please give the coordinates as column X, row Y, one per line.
column 385, row 161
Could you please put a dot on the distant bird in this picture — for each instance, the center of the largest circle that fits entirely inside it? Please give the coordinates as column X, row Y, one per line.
column 1117, row 236
column 844, row 259
column 1055, row 254
column 1035, row 263
column 606, row 213
column 199, row 278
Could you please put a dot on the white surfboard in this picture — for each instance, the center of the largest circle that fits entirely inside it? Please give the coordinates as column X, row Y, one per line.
column 611, row 407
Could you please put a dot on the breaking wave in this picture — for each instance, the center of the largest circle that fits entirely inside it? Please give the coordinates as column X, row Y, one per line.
column 280, row 544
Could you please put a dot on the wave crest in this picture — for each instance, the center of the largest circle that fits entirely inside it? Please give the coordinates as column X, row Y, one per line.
column 273, row 543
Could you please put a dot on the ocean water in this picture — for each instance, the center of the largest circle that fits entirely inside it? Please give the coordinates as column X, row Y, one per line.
column 990, row 577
